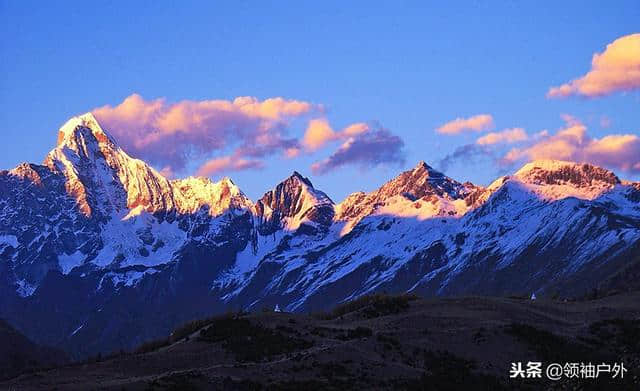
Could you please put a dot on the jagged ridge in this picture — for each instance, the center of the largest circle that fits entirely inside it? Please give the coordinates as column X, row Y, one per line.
column 94, row 231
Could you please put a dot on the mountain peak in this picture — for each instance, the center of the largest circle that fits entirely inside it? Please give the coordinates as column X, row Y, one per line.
column 83, row 138
column 192, row 193
column 546, row 164
column 227, row 186
column 558, row 172
column 227, row 181
column 69, row 130
column 420, row 181
column 297, row 177
column 423, row 169
column 297, row 183
column 291, row 203
column 422, row 165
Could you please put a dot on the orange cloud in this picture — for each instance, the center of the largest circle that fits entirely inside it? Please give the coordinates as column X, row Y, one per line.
column 170, row 134
column 227, row 164
column 572, row 143
column 615, row 69
column 476, row 123
column 319, row 132
column 507, row 136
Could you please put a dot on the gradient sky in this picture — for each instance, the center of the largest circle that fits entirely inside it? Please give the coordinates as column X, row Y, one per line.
column 406, row 68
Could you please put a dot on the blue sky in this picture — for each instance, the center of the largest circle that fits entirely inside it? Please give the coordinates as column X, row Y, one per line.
column 408, row 66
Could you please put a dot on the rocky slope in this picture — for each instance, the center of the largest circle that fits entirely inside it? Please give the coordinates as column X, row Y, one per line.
column 111, row 253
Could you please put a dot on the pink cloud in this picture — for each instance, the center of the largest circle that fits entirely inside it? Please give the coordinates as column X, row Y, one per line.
column 292, row 152
column 365, row 149
column 319, row 133
column 170, row 134
column 621, row 151
column 227, row 164
column 476, row 123
column 244, row 131
column 507, row 136
column 615, row 69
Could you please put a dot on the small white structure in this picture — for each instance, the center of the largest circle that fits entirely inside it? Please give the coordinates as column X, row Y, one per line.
column 533, row 296
column 277, row 309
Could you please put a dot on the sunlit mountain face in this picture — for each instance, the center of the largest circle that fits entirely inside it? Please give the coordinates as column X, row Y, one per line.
column 111, row 253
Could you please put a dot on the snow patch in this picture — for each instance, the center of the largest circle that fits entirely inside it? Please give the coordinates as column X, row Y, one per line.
column 24, row 288
column 128, row 278
column 69, row 262
column 8, row 240
column 122, row 240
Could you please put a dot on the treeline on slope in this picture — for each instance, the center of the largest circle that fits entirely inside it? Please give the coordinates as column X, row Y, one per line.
column 185, row 331
column 370, row 306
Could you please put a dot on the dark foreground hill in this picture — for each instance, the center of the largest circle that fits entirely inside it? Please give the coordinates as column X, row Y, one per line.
column 18, row 354
column 379, row 342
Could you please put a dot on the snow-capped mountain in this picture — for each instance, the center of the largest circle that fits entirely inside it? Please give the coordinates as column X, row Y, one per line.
column 292, row 204
column 91, row 206
column 110, row 253
column 440, row 195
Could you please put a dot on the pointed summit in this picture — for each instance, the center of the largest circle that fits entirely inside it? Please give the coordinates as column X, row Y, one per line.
column 291, row 203
column 100, row 175
column 423, row 169
column 296, row 176
column 422, row 181
column 227, row 180
column 68, row 131
column 422, row 165
column 82, row 139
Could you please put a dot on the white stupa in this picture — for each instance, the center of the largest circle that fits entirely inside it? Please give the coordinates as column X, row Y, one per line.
column 277, row 309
